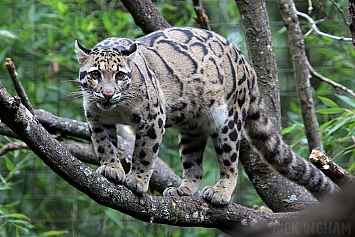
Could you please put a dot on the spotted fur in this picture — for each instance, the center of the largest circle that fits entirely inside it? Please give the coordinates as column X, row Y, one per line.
column 195, row 82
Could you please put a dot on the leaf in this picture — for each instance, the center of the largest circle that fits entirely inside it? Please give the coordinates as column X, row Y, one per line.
column 32, row 13
column 328, row 102
column 14, row 216
column 289, row 129
column 53, row 233
column 107, row 22
column 326, row 125
column 349, row 101
column 8, row 34
column 331, row 111
column 62, row 7
column 3, row 180
column 282, row 30
column 9, row 165
column 339, row 125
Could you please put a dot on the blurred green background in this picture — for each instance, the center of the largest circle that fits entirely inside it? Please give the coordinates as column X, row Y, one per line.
column 39, row 37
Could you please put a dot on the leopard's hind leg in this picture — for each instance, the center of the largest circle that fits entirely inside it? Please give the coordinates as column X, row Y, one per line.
column 191, row 148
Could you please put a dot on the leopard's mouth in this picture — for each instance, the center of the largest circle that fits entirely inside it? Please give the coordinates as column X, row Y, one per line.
column 106, row 106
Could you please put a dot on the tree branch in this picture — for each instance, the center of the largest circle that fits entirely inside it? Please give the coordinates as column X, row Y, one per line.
column 11, row 147
column 351, row 10
column 316, row 29
column 201, row 17
column 330, row 168
column 329, row 81
column 335, row 217
column 182, row 211
column 302, row 74
column 340, row 11
column 17, row 84
column 279, row 193
column 145, row 15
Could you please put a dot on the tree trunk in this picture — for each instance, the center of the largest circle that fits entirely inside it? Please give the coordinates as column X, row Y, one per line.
column 261, row 53
column 302, row 74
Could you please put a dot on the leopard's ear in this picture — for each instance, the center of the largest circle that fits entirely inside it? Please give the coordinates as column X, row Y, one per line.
column 130, row 52
column 81, row 52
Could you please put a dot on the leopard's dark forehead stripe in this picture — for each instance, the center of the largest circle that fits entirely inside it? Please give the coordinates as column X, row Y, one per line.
column 114, row 43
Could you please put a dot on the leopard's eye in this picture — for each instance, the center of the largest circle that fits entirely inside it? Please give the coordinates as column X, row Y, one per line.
column 120, row 75
column 95, row 74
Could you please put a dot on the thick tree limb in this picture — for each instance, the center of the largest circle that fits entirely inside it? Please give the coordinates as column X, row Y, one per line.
column 62, row 126
column 145, row 15
column 302, row 74
column 279, row 193
column 335, row 217
column 183, row 211
column 255, row 20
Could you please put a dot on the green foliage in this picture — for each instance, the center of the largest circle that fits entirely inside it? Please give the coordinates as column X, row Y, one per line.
column 334, row 110
column 13, row 223
column 338, row 132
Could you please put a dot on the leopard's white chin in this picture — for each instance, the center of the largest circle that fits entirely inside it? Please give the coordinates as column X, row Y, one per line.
column 106, row 106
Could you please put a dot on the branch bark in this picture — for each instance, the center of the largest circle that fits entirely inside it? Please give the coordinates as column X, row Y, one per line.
column 329, row 81
column 261, row 53
column 336, row 173
column 302, row 74
column 335, row 217
column 17, row 84
column 201, row 17
column 145, row 15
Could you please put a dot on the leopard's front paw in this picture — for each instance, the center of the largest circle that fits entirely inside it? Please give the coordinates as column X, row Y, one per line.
column 114, row 173
column 137, row 185
column 216, row 195
column 180, row 191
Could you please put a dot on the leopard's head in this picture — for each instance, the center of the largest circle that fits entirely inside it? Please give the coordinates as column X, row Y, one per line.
column 105, row 71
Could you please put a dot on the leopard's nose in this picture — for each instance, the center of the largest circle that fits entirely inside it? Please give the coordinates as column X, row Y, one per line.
column 108, row 95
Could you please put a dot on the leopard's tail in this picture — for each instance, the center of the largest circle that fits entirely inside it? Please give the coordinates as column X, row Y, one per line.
column 261, row 133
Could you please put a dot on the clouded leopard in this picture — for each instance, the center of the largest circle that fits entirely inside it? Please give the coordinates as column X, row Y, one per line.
column 193, row 81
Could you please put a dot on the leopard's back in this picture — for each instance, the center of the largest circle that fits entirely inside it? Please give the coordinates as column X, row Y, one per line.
column 205, row 70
